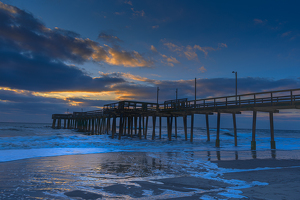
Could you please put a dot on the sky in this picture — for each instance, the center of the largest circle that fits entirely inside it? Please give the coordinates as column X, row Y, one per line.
column 59, row 56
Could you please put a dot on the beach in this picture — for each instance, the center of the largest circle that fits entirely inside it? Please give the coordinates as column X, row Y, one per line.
column 38, row 162
column 141, row 175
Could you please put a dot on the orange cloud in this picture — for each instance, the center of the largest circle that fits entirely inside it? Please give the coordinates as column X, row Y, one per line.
column 170, row 60
column 133, row 59
column 8, row 8
column 202, row 69
column 153, row 49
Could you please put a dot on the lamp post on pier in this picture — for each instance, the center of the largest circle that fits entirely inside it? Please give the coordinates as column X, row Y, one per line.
column 157, row 95
column 235, row 85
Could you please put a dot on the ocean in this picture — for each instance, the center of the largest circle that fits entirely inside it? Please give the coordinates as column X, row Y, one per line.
column 100, row 160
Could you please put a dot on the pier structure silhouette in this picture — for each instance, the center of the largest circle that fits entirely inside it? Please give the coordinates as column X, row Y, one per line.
column 133, row 115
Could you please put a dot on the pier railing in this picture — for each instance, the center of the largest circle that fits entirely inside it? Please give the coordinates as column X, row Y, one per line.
column 131, row 105
column 259, row 99
column 270, row 98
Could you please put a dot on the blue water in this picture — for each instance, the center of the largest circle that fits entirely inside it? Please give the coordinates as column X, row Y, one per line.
column 25, row 140
column 176, row 158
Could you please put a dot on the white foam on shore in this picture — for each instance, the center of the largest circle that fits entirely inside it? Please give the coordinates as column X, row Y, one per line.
column 19, row 154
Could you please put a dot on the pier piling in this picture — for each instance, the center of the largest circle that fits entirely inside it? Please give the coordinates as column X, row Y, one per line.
column 218, row 130
column 207, row 127
column 234, row 129
column 192, row 127
column 253, row 142
column 153, row 125
column 272, row 130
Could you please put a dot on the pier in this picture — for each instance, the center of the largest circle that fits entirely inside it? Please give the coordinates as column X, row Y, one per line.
column 133, row 115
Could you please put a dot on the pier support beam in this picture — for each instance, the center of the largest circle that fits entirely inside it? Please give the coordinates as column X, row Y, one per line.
column 185, row 126
column 135, row 124
column 85, row 124
column 207, row 127
column 108, row 124
column 171, row 127
column 100, row 125
column 53, row 123
column 175, row 120
column 159, row 127
column 169, row 124
column 140, row 127
column 234, row 129
column 120, row 127
column 146, row 127
column 93, row 126
column 59, row 123
column 125, row 121
column 131, row 126
column 192, row 127
column 218, row 130
column 153, row 125
column 253, row 142
column 273, row 146
column 113, row 127
column 143, row 119
column 96, row 126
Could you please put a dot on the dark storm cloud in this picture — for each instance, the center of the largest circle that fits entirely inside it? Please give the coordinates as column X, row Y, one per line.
column 28, row 34
column 41, row 74
column 33, row 57
column 22, row 33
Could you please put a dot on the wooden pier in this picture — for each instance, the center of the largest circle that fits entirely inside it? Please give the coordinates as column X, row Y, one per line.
column 133, row 115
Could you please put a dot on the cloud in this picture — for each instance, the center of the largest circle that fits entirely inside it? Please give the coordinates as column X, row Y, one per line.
column 286, row 34
column 170, row 60
column 128, row 2
column 153, row 49
column 173, row 60
column 220, row 45
column 127, row 59
column 119, row 13
column 155, row 27
column 10, row 9
column 138, row 13
column 109, row 38
column 259, row 21
column 190, row 52
column 42, row 74
column 202, row 69
column 172, row 47
column 21, row 32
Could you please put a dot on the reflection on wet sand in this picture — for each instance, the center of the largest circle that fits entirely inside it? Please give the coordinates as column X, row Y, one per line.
column 104, row 174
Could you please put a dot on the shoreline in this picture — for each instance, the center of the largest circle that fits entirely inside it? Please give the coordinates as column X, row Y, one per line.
column 211, row 155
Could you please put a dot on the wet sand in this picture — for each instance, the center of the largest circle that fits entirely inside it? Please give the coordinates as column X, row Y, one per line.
column 173, row 175
column 282, row 176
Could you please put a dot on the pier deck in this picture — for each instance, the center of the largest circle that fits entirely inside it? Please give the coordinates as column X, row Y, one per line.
column 133, row 115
